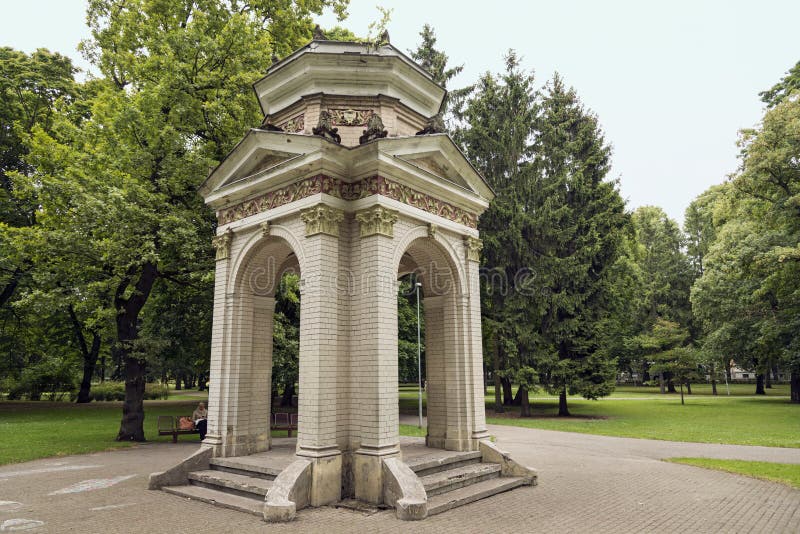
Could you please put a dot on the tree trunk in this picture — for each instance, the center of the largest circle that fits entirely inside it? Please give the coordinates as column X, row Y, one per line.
column 525, row 406
column 671, row 386
column 768, row 379
column 688, row 388
column 89, row 356
column 714, row 386
column 508, row 396
column 760, row 385
column 661, row 383
column 288, row 393
column 132, row 425
column 89, row 363
column 682, row 394
column 201, row 382
column 562, row 404
column 728, row 371
column 794, row 386
column 520, row 394
column 178, row 380
column 498, row 399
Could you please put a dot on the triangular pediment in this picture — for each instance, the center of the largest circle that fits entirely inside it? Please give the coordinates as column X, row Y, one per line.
column 257, row 162
column 435, row 163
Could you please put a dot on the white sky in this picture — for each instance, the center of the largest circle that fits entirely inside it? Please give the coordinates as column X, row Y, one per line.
column 672, row 82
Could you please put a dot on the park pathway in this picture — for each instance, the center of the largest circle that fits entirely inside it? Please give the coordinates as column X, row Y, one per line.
column 587, row 484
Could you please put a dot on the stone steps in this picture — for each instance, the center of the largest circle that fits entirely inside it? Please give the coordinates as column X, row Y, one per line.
column 474, row 492
column 458, row 477
column 243, row 485
column 219, row 498
column 239, row 467
column 424, row 466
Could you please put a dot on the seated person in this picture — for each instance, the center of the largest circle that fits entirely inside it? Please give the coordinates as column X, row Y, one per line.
column 199, row 417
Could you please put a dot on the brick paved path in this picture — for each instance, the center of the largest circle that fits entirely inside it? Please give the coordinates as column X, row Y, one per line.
column 587, row 484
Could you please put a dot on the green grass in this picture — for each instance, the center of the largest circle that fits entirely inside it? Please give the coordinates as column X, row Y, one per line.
column 788, row 474
column 413, row 430
column 744, row 421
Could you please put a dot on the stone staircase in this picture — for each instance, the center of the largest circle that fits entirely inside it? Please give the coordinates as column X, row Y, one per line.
column 230, row 483
column 459, row 479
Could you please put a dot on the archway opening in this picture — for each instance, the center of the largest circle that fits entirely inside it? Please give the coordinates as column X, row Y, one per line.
column 427, row 263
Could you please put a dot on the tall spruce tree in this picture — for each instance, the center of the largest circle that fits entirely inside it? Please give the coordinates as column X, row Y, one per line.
column 577, row 222
column 496, row 128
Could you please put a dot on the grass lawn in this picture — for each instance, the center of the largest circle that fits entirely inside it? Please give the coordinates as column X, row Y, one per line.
column 771, row 422
column 788, row 474
column 638, row 412
column 31, row 430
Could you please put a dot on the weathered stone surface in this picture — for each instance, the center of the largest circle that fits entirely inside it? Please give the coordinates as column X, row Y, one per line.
column 458, row 477
column 404, row 490
column 469, row 494
column 179, row 474
column 508, row 467
column 290, row 491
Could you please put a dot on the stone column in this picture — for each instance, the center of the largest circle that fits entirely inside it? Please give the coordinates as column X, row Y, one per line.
column 374, row 353
column 319, row 353
column 435, row 379
column 475, row 340
column 220, row 356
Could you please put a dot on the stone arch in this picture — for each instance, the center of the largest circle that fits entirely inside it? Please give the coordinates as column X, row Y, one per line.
column 241, row 420
column 255, row 246
column 434, row 260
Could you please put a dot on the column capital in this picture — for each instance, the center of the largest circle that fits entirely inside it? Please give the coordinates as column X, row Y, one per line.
column 222, row 243
column 322, row 219
column 377, row 220
column 473, row 246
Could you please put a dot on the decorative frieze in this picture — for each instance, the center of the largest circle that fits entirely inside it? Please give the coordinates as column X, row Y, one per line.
column 473, row 246
column 222, row 244
column 377, row 220
column 294, row 125
column 373, row 185
column 322, row 219
column 350, row 117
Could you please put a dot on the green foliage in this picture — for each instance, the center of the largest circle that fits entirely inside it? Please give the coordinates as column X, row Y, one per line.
column 781, row 90
column 115, row 391
column 286, row 336
column 407, row 331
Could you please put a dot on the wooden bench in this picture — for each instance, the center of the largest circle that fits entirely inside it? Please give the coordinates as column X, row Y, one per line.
column 168, row 425
column 284, row 421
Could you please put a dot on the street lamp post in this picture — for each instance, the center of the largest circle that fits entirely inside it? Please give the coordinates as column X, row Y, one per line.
column 419, row 359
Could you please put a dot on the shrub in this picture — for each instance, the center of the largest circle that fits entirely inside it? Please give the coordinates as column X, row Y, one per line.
column 115, row 391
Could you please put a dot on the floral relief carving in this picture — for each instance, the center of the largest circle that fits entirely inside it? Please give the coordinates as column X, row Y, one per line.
column 294, row 125
column 222, row 244
column 350, row 117
column 322, row 219
column 373, row 185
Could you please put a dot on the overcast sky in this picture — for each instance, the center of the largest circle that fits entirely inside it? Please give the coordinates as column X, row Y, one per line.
column 672, row 81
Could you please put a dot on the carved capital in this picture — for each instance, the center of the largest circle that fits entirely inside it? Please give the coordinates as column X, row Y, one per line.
column 377, row 220
column 222, row 243
column 264, row 226
column 473, row 246
column 322, row 219
column 432, row 228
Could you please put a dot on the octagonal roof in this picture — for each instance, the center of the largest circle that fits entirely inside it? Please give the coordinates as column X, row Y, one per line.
column 352, row 69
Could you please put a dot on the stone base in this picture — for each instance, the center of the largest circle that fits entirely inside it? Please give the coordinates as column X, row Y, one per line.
column 368, row 479
column 452, row 444
column 237, row 445
column 326, row 475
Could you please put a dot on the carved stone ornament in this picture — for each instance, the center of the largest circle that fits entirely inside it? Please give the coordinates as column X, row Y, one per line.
column 433, row 125
column 432, row 230
column 377, row 220
column 473, row 246
column 294, row 125
column 373, row 185
column 350, row 117
column 374, row 130
column 264, row 226
column 222, row 243
column 325, row 127
column 322, row 219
